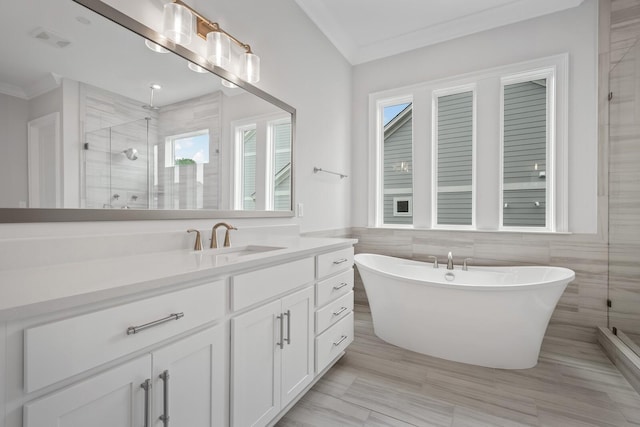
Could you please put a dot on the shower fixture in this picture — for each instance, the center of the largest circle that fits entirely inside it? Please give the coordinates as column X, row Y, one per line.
column 131, row 153
column 150, row 105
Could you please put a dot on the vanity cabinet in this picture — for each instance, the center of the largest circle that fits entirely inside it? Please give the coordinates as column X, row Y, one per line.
column 236, row 346
column 271, row 358
column 182, row 382
column 334, row 306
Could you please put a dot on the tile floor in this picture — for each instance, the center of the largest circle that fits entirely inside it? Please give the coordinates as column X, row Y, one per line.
column 378, row 384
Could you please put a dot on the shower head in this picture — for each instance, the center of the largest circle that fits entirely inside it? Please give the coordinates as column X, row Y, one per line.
column 150, row 105
column 131, row 153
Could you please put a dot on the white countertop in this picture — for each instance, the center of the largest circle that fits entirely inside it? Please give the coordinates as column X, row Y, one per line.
column 28, row 292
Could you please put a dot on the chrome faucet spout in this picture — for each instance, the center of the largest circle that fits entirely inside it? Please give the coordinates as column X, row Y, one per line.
column 449, row 261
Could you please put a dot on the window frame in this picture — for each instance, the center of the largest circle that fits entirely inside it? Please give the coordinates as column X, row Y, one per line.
column 487, row 211
column 380, row 104
column 435, row 94
column 550, row 155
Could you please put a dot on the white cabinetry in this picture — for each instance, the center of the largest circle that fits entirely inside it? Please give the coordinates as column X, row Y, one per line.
column 182, row 383
column 272, row 357
column 334, row 306
column 113, row 398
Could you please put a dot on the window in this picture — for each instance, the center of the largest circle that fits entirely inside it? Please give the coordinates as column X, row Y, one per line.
column 525, row 147
column 187, row 154
column 482, row 151
column 262, row 163
column 397, row 155
column 281, row 136
column 453, row 151
column 248, row 183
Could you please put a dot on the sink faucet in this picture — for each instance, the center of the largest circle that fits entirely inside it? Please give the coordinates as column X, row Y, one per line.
column 214, row 237
column 449, row 261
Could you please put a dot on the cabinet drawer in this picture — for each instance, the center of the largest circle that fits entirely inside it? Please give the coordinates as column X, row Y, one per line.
column 57, row 350
column 333, row 312
column 334, row 262
column 250, row 288
column 335, row 287
column 333, row 341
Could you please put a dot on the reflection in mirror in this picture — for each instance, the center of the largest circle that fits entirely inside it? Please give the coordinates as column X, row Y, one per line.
column 92, row 117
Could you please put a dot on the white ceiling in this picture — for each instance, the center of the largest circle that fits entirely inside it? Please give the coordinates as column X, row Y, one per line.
column 365, row 30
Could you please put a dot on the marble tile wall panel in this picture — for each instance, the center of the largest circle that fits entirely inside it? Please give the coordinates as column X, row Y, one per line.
column 625, row 27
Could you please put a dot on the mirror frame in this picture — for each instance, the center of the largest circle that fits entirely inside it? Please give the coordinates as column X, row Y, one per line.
column 26, row 215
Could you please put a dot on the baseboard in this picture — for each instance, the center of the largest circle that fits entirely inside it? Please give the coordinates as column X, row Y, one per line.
column 622, row 356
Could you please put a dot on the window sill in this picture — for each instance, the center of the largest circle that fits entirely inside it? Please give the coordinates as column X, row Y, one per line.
column 458, row 230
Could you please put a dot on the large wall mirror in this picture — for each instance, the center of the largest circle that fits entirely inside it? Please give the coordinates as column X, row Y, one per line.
column 95, row 125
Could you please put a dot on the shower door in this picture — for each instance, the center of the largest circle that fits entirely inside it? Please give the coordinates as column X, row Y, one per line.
column 624, row 199
column 116, row 167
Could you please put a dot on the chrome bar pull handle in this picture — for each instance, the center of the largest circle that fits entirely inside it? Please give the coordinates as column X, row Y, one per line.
column 288, row 314
column 147, row 404
column 340, row 286
column 281, row 343
column 342, row 338
column 340, row 261
column 135, row 329
column 339, row 312
column 165, row 403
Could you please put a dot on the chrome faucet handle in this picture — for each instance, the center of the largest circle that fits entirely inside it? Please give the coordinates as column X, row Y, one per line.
column 435, row 260
column 464, row 264
column 198, row 244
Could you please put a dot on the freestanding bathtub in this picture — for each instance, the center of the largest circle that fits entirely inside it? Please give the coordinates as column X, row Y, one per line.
column 487, row 316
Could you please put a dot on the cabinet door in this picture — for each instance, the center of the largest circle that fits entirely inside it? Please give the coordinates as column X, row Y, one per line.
column 255, row 366
column 113, row 398
column 297, row 354
column 189, row 381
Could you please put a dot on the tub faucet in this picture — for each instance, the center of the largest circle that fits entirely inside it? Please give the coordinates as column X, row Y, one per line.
column 449, row 261
column 214, row 237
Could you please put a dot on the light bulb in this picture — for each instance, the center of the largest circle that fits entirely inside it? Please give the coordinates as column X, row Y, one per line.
column 177, row 23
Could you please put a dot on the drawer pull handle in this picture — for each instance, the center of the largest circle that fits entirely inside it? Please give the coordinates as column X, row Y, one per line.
column 146, row 385
column 135, row 329
column 281, row 343
column 340, row 261
column 337, row 343
column 340, row 286
column 339, row 312
column 165, row 402
column 288, row 338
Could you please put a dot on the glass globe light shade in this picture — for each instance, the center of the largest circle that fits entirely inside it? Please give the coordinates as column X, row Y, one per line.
column 177, row 23
column 251, row 67
column 219, row 49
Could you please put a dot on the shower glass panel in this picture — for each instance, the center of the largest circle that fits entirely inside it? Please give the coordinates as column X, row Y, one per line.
column 117, row 167
column 624, row 199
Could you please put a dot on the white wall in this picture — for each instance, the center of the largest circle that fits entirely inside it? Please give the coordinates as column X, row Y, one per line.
column 13, row 151
column 299, row 66
column 573, row 31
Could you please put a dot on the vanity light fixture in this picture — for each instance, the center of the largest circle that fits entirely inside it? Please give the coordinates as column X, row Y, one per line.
column 196, row 68
column 155, row 47
column 178, row 21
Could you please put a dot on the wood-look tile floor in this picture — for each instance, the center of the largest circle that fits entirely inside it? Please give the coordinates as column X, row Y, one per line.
column 378, row 384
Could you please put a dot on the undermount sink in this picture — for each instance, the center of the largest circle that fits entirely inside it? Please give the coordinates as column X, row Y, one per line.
column 224, row 255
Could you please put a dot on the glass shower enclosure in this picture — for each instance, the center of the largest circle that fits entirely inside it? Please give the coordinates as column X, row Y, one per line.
column 116, row 167
column 624, row 199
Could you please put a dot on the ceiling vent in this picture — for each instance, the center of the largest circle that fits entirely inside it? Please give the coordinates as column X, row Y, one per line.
column 50, row 38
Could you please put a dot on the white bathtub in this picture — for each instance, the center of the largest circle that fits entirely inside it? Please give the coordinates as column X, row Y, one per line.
column 487, row 316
